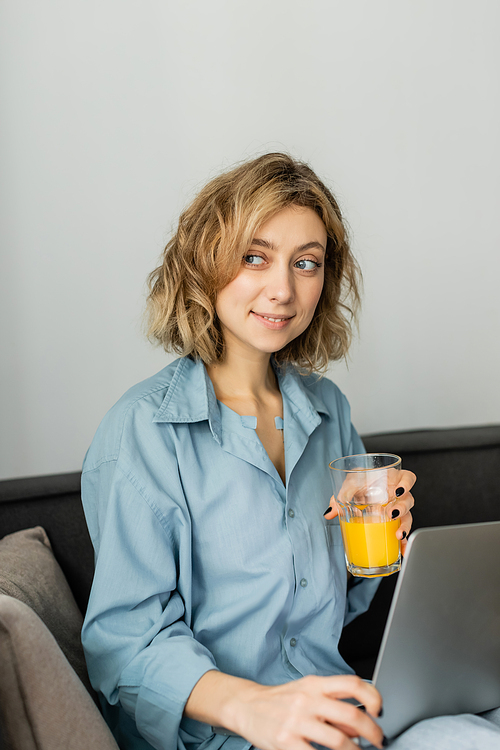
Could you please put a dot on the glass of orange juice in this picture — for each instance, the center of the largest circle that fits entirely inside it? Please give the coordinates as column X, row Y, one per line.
column 364, row 486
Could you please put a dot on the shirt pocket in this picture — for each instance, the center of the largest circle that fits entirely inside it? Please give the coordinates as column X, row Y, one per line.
column 332, row 531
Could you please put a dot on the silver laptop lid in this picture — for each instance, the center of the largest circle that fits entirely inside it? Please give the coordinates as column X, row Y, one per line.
column 440, row 653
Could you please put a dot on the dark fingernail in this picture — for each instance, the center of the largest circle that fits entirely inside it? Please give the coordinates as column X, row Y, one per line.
column 327, row 510
column 404, row 535
column 362, row 708
column 385, row 741
column 400, row 491
column 395, row 513
column 381, row 712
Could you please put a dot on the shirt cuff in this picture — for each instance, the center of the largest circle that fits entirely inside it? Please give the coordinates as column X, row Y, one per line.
column 156, row 708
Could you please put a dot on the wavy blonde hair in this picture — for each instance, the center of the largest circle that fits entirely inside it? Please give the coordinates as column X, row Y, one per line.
column 205, row 254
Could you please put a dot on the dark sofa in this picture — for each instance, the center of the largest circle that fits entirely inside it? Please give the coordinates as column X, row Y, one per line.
column 457, row 483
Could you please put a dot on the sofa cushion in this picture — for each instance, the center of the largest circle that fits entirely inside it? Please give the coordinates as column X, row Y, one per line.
column 30, row 573
column 53, row 502
column 43, row 704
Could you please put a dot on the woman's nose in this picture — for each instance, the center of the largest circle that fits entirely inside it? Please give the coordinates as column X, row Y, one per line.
column 280, row 287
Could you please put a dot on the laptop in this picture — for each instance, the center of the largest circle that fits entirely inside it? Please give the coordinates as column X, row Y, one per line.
column 440, row 653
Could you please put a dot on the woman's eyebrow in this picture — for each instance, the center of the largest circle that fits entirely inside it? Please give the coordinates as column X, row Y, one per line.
column 263, row 243
column 310, row 246
column 301, row 248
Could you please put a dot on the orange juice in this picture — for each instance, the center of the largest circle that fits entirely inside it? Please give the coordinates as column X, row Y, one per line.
column 370, row 544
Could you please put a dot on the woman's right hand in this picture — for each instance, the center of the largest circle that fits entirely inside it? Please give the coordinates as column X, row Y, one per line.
column 291, row 716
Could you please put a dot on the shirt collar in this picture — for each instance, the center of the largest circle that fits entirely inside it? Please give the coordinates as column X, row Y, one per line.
column 301, row 391
column 191, row 396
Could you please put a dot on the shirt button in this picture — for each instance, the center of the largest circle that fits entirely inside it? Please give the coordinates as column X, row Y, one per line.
column 293, row 642
column 291, row 513
column 303, row 582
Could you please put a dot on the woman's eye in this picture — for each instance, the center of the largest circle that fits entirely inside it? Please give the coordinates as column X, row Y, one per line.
column 253, row 260
column 307, row 265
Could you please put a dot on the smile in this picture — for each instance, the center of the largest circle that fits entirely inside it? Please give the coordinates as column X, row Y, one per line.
column 275, row 322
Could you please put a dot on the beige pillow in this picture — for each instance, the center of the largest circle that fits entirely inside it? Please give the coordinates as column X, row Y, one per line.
column 43, row 704
column 29, row 572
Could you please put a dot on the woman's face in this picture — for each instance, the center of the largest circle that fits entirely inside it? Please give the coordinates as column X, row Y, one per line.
column 273, row 298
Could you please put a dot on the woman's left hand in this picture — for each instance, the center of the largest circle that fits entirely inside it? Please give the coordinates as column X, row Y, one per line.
column 402, row 507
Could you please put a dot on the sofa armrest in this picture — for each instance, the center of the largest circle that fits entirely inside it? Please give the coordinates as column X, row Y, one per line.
column 43, row 704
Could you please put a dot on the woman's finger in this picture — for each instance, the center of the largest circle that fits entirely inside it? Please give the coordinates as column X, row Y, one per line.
column 405, row 501
column 405, row 526
column 404, row 530
column 402, row 510
column 327, row 735
column 345, row 717
column 404, row 481
column 352, row 686
column 350, row 720
column 332, row 511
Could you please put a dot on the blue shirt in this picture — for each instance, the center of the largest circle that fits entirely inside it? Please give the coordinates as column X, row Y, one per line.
column 204, row 558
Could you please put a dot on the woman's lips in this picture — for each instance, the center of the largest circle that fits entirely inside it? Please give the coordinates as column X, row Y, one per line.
column 274, row 322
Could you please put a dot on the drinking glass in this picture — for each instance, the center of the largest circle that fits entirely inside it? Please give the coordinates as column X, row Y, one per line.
column 365, row 486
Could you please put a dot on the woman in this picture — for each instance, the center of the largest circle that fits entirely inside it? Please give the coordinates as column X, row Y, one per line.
column 220, row 591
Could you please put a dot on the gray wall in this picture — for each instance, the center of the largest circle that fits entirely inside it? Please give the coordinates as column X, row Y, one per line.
column 114, row 112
